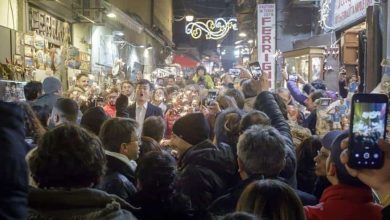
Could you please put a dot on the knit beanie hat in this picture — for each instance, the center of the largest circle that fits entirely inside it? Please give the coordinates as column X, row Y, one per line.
column 193, row 128
column 51, row 84
column 93, row 119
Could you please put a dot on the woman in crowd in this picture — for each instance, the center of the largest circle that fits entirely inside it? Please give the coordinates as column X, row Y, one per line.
column 156, row 177
column 201, row 76
column 66, row 166
column 306, row 151
column 32, row 125
column 271, row 199
column 159, row 98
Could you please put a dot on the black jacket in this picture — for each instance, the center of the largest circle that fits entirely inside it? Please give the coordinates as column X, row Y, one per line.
column 386, row 213
column 119, row 179
column 266, row 103
column 206, row 172
column 172, row 206
column 227, row 203
column 130, row 111
column 13, row 168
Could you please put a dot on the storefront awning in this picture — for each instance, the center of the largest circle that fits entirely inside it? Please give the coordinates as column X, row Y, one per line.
column 185, row 61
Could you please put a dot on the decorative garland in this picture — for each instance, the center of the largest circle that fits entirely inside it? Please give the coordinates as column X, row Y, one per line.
column 213, row 29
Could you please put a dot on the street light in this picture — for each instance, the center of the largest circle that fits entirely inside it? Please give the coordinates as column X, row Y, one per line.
column 189, row 18
column 111, row 15
column 242, row 34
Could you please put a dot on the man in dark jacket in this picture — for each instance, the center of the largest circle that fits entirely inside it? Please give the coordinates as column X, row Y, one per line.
column 53, row 90
column 13, row 169
column 205, row 170
column 266, row 103
column 142, row 108
column 261, row 154
column 121, row 148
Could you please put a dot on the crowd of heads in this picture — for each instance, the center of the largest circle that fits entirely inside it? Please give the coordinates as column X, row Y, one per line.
column 265, row 134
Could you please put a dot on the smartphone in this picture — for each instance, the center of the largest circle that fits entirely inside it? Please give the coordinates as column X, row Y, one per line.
column 255, row 70
column 324, row 102
column 367, row 126
column 211, row 96
column 234, row 72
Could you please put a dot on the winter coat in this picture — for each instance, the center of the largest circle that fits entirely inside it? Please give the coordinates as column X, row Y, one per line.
column 386, row 213
column 80, row 204
column 266, row 103
column 340, row 202
column 249, row 104
column 119, row 178
column 227, row 203
column 172, row 206
column 206, row 172
column 48, row 100
column 13, row 169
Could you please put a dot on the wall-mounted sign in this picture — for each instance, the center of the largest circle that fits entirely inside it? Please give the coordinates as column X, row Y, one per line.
column 266, row 39
column 46, row 25
column 349, row 11
column 213, row 29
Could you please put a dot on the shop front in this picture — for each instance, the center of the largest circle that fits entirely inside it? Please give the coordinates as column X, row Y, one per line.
column 356, row 24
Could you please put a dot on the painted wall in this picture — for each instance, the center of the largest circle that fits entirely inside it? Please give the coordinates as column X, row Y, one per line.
column 9, row 14
column 163, row 16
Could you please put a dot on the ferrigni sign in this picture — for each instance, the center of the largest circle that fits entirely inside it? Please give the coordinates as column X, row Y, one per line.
column 266, row 39
column 349, row 11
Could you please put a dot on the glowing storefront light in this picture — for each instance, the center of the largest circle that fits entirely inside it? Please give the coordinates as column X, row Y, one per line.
column 213, row 29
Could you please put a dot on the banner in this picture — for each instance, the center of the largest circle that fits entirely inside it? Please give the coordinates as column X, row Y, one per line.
column 266, row 39
column 349, row 11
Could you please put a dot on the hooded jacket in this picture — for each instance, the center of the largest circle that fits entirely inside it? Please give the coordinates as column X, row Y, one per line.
column 340, row 202
column 13, row 169
column 119, row 178
column 206, row 172
column 227, row 203
column 81, row 204
column 266, row 103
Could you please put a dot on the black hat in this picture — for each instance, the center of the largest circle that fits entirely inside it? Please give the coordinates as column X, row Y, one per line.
column 192, row 128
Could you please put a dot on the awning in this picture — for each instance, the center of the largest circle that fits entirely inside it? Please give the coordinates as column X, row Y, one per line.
column 185, row 61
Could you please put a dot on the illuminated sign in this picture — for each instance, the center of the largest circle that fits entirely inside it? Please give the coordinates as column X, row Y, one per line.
column 213, row 29
column 266, row 32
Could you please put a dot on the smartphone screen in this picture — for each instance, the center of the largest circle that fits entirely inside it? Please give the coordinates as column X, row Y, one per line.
column 255, row 70
column 211, row 96
column 234, row 72
column 368, row 125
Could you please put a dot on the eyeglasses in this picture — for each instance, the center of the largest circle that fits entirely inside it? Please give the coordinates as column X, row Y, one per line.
column 322, row 154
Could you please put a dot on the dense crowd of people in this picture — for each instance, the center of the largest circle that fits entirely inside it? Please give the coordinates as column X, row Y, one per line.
column 186, row 147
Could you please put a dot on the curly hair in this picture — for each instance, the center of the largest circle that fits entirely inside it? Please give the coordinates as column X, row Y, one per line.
column 68, row 156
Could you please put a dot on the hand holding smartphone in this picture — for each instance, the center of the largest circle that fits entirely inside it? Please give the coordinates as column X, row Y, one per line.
column 368, row 125
column 255, row 70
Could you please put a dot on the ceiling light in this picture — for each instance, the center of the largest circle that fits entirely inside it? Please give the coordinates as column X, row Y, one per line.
column 118, row 33
column 189, row 18
column 250, row 41
column 238, row 42
column 111, row 15
column 242, row 34
column 218, row 45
